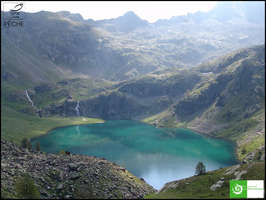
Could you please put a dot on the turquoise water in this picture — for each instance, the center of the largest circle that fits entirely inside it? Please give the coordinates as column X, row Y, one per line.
column 158, row 155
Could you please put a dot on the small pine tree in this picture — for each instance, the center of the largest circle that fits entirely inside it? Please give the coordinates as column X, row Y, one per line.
column 24, row 143
column 200, row 169
column 25, row 188
column 37, row 146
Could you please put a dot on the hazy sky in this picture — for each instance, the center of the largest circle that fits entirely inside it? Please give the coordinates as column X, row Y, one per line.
column 149, row 10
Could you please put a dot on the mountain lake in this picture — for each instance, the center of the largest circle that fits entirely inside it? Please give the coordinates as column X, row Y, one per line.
column 158, row 155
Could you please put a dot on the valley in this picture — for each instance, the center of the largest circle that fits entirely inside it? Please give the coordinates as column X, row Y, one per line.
column 202, row 72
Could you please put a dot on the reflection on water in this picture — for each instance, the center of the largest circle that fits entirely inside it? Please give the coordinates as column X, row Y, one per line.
column 78, row 131
column 157, row 155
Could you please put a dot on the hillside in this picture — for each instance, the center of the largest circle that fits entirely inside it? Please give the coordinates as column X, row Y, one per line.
column 214, row 98
column 132, row 99
column 68, row 176
column 229, row 104
column 203, row 71
column 124, row 47
column 212, row 185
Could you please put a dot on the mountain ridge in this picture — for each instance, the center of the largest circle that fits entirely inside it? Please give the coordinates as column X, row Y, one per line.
column 139, row 49
column 202, row 71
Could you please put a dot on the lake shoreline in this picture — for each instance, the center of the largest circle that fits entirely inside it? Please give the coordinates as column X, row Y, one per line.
column 145, row 130
column 211, row 136
column 223, row 138
column 58, row 127
column 204, row 134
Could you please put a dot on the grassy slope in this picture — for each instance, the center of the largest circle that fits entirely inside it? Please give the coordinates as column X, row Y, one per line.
column 199, row 186
column 249, row 133
column 77, row 88
column 16, row 125
column 238, row 99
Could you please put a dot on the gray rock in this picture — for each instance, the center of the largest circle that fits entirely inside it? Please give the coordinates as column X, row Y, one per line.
column 61, row 176
column 244, row 161
column 72, row 166
column 60, row 186
column 262, row 156
column 231, row 170
column 171, row 185
column 62, row 171
column 238, row 174
column 43, row 192
column 86, row 181
column 74, row 176
column 217, row 185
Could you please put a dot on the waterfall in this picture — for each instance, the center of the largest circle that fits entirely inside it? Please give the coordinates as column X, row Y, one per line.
column 28, row 97
column 77, row 109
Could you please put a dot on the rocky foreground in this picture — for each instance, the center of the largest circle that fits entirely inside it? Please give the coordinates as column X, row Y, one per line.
column 68, row 176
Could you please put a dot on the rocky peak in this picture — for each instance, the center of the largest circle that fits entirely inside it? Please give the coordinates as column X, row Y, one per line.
column 130, row 14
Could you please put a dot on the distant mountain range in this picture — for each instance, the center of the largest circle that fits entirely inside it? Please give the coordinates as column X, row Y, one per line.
column 203, row 71
column 127, row 46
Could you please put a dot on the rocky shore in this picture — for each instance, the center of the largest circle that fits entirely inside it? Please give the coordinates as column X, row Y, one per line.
column 68, row 176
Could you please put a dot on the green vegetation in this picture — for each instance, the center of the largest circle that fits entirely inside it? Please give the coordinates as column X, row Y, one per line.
column 243, row 151
column 196, row 187
column 255, row 171
column 251, row 146
column 199, row 186
column 237, row 128
column 6, row 195
column 249, row 133
column 165, row 119
column 17, row 125
column 232, row 86
column 25, row 188
column 157, row 117
column 62, row 152
column 77, row 88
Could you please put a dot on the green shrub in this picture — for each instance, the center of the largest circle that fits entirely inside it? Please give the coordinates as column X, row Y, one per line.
column 25, row 188
column 62, row 152
column 244, row 151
